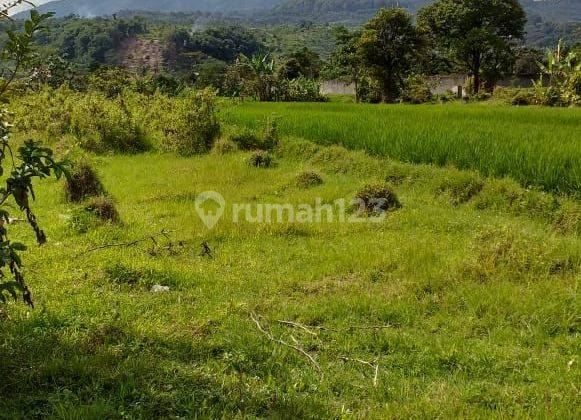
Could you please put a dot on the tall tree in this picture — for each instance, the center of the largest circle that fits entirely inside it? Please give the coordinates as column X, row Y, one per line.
column 478, row 34
column 345, row 61
column 389, row 46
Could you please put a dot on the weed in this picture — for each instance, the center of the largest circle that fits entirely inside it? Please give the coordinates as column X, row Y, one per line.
column 377, row 198
column 83, row 182
column 308, row 179
column 224, row 146
column 260, row 159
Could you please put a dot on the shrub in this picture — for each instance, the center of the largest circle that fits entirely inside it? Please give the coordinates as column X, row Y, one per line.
column 103, row 208
column 301, row 89
column 110, row 81
column 224, row 146
column 514, row 96
column 83, row 182
column 270, row 135
column 190, row 125
column 248, row 139
column 416, row 90
column 260, row 159
column 376, row 198
column 462, row 187
column 103, row 125
column 245, row 139
column 308, row 179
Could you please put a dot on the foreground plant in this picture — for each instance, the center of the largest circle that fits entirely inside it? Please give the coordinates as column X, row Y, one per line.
column 32, row 161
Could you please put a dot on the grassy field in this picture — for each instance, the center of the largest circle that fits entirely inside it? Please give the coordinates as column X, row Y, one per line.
column 535, row 146
column 464, row 302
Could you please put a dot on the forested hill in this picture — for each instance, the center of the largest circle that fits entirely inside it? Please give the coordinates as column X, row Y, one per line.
column 313, row 10
column 90, row 8
column 329, row 10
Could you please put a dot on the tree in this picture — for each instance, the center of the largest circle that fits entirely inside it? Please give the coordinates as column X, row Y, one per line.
column 478, row 34
column 301, row 63
column 345, row 62
column 31, row 161
column 389, row 46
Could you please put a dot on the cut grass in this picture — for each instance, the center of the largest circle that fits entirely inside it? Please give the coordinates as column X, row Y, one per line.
column 468, row 311
column 535, row 146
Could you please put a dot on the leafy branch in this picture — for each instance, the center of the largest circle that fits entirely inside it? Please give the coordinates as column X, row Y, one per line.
column 32, row 161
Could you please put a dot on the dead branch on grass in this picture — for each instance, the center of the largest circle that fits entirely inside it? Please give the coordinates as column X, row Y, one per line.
column 297, row 346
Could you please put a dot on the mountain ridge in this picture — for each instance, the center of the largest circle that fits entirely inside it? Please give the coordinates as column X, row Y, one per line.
column 320, row 10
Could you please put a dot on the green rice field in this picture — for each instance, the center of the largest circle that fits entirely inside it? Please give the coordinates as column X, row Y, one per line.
column 536, row 146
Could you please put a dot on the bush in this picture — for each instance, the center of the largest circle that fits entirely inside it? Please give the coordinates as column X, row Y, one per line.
column 301, row 89
column 110, row 81
column 308, row 179
column 260, row 159
column 103, row 208
column 245, row 139
column 48, row 111
column 248, row 139
column 83, row 182
column 96, row 212
column 190, row 124
column 376, row 198
column 103, row 125
column 224, row 146
column 514, row 96
column 270, row 135
column 462, row 187
column 416, row 90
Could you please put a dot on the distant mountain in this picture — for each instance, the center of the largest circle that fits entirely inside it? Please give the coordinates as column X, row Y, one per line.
column 332, row 10
column 313, row 10
column 90, row 8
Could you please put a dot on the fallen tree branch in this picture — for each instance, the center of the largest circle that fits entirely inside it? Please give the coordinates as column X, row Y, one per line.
column 299, row 326
column 295, row 347
column 374, row 365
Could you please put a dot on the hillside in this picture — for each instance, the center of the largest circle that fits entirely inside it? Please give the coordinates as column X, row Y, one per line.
column 316, row 10
column 108, row 7
column 354, row 10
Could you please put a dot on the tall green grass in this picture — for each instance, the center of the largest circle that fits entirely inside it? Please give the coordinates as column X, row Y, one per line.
column 535, row 146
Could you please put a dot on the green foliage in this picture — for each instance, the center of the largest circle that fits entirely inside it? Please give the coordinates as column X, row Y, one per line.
column 302, row 63
column 32, row 161
column 389, row 46
column 514, row 96
column 563, row 71
column 103, row 125
column 416, row 90
column 258, row 78
column 90, row 43
column 477, row 34
column 189, row 124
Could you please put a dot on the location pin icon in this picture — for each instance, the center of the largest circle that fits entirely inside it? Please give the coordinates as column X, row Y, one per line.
column 210, row 218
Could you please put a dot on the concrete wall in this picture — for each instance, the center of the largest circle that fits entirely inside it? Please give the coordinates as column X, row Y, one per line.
column 439, row 84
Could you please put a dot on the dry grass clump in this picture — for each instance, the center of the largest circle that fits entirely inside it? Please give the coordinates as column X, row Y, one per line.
column 260, row 159
column 462, row 187
column 83, row 182
column 224, row 146
column 104, row 208
column 377, row 198
column 308, row 179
